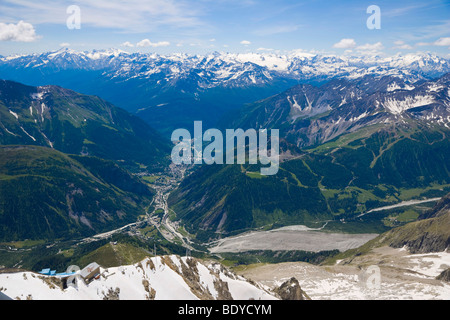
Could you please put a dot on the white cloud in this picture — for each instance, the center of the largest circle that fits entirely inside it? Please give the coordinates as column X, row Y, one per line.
column 148, row 43
column 127, row 16
column 21, row 32
column 443, row 42
column 212, row 40
column 245, row 42
column 371, row 47
column 399, row 44
column 127, row 44
column 64, row 44
column 404, row 47
column 345, row 44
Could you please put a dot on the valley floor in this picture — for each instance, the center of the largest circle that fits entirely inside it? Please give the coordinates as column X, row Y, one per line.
column 291, row 238
column 403, row 276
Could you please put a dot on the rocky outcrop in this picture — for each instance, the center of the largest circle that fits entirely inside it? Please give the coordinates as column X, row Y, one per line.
column 441, row 208
column 112, row 294
column 291, row 290
column 444, row 276
column 431, row 233
column 424, row 244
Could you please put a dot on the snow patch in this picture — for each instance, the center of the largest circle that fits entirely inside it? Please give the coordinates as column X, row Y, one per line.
column 37, row 96
column 29, row 135
column 398, row 106
column 14, row 114
column 435, row 87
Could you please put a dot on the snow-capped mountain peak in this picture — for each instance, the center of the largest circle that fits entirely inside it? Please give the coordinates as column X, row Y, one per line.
column 235, row 69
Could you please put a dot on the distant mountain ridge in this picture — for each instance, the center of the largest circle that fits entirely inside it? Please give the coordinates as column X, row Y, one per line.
column 228, row 69
column 171, row 91
column 309, row 115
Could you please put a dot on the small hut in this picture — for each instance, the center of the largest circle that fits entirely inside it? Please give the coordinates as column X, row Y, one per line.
column 90, row 272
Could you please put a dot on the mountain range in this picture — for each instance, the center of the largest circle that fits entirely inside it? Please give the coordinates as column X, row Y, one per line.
column 356, row 134
column 348, row 146
column 171, row 91
column 310, row 115
column 228, row 69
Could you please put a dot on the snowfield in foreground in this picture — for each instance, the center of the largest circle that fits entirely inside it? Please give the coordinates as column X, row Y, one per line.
column 159, row 278
column 403, row 276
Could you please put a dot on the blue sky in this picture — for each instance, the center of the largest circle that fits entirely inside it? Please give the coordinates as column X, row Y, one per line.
column 201, row 26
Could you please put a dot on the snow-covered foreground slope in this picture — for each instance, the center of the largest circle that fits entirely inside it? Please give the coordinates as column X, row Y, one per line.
column 402, row 276
column 160, row 278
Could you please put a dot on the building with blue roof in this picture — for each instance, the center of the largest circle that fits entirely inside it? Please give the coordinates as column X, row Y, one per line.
column 45, row 272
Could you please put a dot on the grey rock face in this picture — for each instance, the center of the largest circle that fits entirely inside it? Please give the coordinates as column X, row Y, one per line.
column 291, row 290
column 444, row 276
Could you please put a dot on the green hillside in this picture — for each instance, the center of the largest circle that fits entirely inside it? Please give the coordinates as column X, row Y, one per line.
column 342, row 179
column 115, row 254
column 45, row 194
column 77, row 124
column 431, row 233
